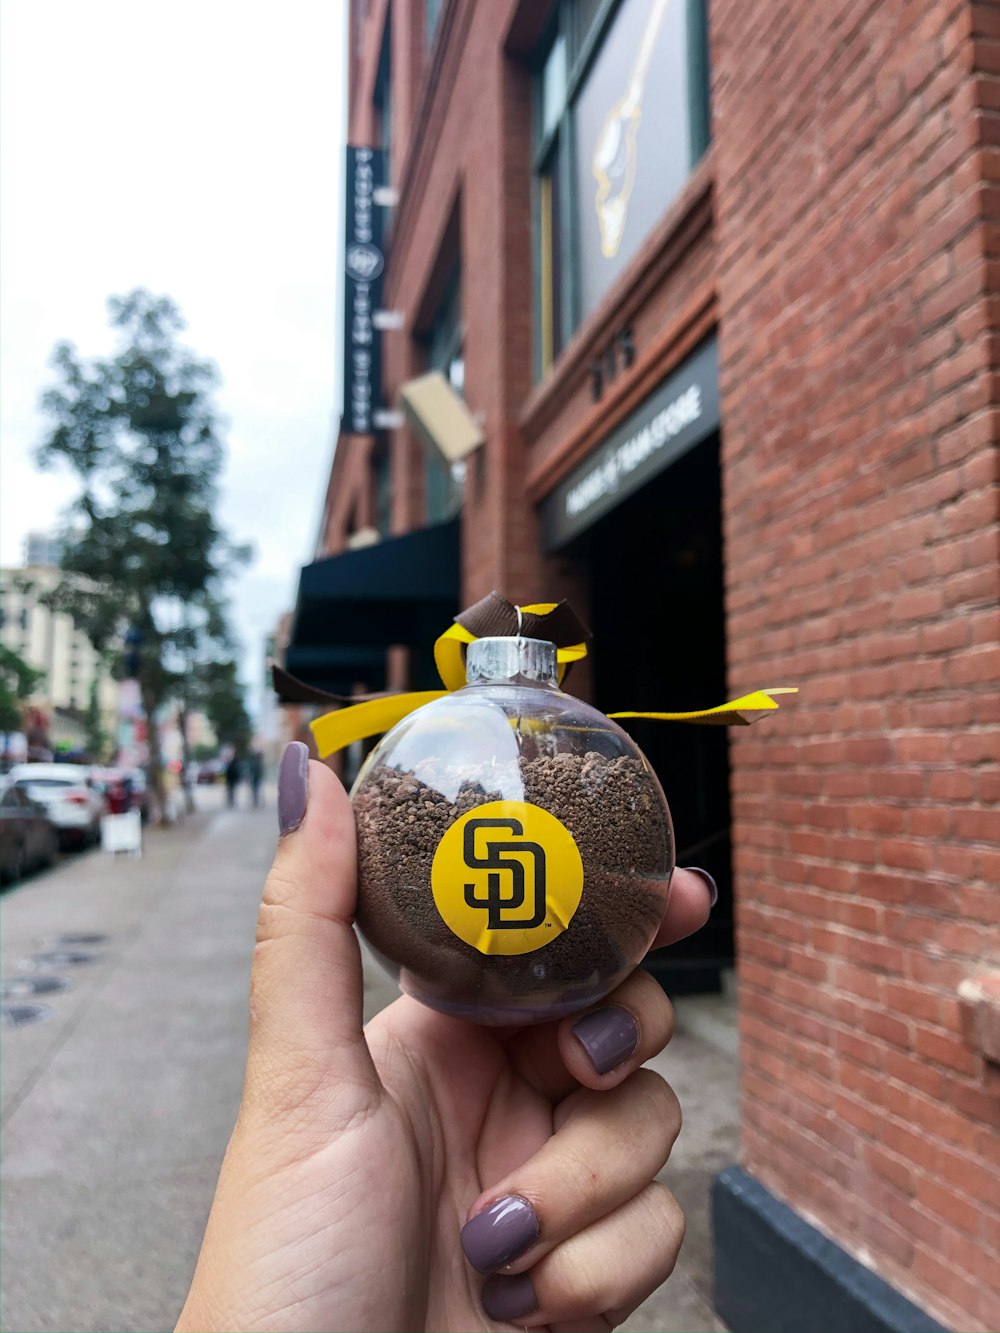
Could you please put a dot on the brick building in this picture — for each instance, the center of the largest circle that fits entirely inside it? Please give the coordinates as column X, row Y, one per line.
column 719, row 289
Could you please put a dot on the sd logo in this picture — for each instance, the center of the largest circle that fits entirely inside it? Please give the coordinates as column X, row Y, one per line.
column 507, row 877
column 495, row 861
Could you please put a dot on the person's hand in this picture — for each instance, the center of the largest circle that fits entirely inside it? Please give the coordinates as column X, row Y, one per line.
column 422, row 1172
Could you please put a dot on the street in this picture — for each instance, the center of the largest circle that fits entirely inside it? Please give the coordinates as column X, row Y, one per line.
column 118, row 1105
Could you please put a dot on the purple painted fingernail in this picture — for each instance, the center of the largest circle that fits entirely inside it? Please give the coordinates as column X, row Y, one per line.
column 293, row 786
column 713, row 888
column 609, row 1036
column 500, row 1233
column 509, row 1298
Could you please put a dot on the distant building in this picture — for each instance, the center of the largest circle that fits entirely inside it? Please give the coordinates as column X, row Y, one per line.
column 278, row 726
column 51, row 643
column 199, row 731
column 269, row 718
column 41, row 548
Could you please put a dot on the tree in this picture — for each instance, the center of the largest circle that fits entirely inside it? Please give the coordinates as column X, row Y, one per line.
column 97, row 739
column 210, row 684
column 221, row 697
column 141, row 432
column 17, row 683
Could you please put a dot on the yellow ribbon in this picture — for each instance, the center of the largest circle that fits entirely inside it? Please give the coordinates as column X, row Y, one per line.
column 333, row 731
column 450, row 662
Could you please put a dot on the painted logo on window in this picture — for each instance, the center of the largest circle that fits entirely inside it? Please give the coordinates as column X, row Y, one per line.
column 615, row 155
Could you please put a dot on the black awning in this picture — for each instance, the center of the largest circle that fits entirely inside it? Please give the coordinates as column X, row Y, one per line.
column 335, row 670
column 352, row 607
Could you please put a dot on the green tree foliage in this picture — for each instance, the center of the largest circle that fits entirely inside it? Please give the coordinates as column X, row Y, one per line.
column 221, row 698
column 97, row 740
column 142, row 434
column 17, row 682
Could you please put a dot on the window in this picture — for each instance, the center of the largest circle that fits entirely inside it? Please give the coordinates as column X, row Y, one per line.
column 433, row 13
column 444, row 351
column 383, row 99
column 620, row 118
column 443, row 481
column 382, row 470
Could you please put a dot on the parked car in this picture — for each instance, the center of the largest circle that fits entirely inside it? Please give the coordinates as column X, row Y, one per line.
column 115, row 786
column 123, row 789
column 74, row 807
column 28, row 839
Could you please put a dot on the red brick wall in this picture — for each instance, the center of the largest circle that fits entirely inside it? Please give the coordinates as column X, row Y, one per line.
column 844, row 231
column 485, row 176
column 350, row 500
column 666, row 296
column 856, row 157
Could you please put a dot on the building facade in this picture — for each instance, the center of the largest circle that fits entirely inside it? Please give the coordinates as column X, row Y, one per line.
column 51, row 643
column 718, row 284
column 41, row 548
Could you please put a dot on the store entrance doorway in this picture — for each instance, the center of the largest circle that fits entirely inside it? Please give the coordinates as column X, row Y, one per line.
column 657, row 611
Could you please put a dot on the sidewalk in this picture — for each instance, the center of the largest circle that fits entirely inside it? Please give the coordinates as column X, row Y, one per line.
column 118, row 1107
column 701, row 1066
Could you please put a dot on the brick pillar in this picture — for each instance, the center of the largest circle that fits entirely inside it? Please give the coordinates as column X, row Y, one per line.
column 854, row 147
column 501, row 544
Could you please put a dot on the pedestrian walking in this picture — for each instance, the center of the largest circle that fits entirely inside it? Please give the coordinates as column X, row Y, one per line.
column 255, row 774
column 234, row 773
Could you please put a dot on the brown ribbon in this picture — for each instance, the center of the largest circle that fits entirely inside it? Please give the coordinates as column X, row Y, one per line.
column 492, row 617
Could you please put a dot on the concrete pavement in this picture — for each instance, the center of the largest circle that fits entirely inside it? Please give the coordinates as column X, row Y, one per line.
column 117, row 1108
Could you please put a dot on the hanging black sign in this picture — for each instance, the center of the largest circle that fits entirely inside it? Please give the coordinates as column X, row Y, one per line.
column 363, row 265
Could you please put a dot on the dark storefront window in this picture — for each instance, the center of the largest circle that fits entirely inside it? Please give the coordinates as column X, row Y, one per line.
column 444, row 353
column 621, row 116
column 671, row 531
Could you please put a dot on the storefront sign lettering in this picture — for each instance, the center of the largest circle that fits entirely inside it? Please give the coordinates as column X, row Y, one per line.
column 605, row 478
column 674, row 418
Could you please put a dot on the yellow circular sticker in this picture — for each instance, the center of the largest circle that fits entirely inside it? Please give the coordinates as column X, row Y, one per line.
column 507, row 877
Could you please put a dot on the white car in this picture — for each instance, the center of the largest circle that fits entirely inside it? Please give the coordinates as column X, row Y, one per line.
column 73, row 806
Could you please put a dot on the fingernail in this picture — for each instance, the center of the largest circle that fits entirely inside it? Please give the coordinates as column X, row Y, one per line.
column 713, row 888
column 500, row 1233
column 509, row 1298
column 293, row 786
column 609, row 1036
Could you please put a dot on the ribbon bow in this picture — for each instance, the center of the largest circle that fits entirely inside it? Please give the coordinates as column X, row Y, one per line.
column 494, row 616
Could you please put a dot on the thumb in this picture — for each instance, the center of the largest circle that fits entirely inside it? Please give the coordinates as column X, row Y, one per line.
column 307, row 1045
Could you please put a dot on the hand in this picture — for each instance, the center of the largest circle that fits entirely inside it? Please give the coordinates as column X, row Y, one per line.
column 360, row 1154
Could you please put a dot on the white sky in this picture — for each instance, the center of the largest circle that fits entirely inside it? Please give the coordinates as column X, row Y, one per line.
column 195, row 148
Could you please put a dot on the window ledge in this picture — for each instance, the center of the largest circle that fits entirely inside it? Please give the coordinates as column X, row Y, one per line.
column 683, row 224
column 979, row 1007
